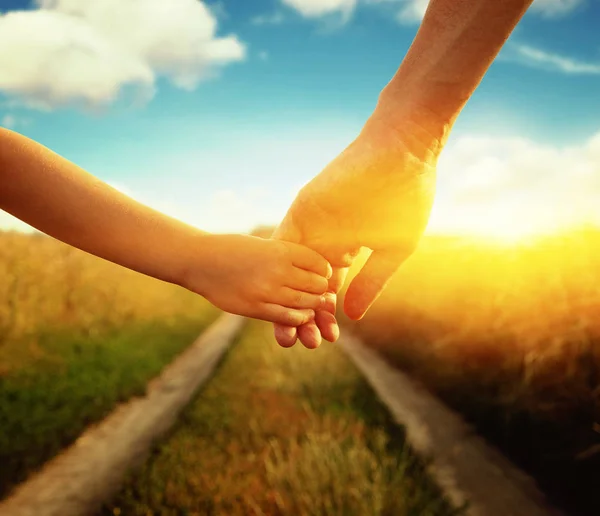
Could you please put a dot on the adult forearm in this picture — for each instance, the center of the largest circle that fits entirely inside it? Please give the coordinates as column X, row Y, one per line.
column 60, row 199
column 454, row 47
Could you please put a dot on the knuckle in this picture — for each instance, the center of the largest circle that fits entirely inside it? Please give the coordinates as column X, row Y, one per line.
column 321, row 262
column 289, row 318
column 263, row 290
column 281, row 250
column 311, row 256
column 299, row 298
column 283, row 272
column 329, row 302
column 321, row 285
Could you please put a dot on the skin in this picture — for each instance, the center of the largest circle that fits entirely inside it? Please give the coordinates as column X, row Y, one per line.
column 379, row 192
column 272, row 280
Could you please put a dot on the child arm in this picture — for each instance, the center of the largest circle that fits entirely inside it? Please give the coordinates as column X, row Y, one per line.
column 241, row 274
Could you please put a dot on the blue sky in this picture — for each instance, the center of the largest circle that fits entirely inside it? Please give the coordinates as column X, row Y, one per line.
column 226, row 144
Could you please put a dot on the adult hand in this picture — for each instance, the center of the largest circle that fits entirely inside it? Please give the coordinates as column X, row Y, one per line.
column 377, row 194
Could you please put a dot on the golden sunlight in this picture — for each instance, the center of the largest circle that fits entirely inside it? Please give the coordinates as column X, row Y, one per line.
column 508, row 217
column 511, row 189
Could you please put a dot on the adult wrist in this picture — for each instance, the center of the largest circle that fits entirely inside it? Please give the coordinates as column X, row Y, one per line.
column 400, row 118
column 409, row 111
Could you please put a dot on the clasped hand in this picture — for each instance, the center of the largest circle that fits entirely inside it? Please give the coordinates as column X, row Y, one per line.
column 376, row 194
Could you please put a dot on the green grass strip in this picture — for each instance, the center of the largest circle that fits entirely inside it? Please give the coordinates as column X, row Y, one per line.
column 78, row 380
column 278, row 432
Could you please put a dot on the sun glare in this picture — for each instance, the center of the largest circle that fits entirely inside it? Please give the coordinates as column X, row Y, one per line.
column 489, row 227
column 503, row 220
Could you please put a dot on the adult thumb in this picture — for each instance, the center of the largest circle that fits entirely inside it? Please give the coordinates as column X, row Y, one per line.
column 370, row 282
column 287, row 230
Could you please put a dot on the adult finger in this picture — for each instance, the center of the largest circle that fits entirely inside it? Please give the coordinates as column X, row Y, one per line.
column 287, row 230
column 329, row 303
column 337, row 255
column 338, row 277
column 370, row 281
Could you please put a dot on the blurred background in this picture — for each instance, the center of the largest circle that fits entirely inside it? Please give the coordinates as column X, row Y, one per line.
column 217, row 112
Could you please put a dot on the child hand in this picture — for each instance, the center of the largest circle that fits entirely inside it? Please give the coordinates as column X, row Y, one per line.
column 272, row 280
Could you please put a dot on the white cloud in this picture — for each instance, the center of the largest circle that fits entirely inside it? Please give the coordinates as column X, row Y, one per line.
column 56, row 58
column 555, row 8
column 407, row 11
column 9, row 121
column 79, row 51
column 249, row 179
column 10, row 223
column 230, row 209
column 517, row 185
column 485, row 184
column 12, row 121
column 554, row 62
column 318, row 8
column 219, row 9
column 412, row 11
column 275, row 18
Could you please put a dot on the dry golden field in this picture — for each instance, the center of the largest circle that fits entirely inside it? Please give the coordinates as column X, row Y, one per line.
column 80, row 334
column 77, row 336
column 46, row 285
column 508, row 333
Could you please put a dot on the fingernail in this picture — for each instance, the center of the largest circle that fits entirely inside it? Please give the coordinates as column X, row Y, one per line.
column 329, row 271
column 329, row 302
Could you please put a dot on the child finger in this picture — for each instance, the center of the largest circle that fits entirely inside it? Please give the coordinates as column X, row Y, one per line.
column 281, row 315
column 298, row 299
column 309, row 335
column 309, row 260
column 307, row 282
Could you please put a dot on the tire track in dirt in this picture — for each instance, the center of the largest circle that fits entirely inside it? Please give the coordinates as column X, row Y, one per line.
column 464, row 466
column 80, row 479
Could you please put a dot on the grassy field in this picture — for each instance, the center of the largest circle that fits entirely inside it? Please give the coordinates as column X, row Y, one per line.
column 282, row 432
column 509, row 334
column 45, row 285
column 77, row 335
